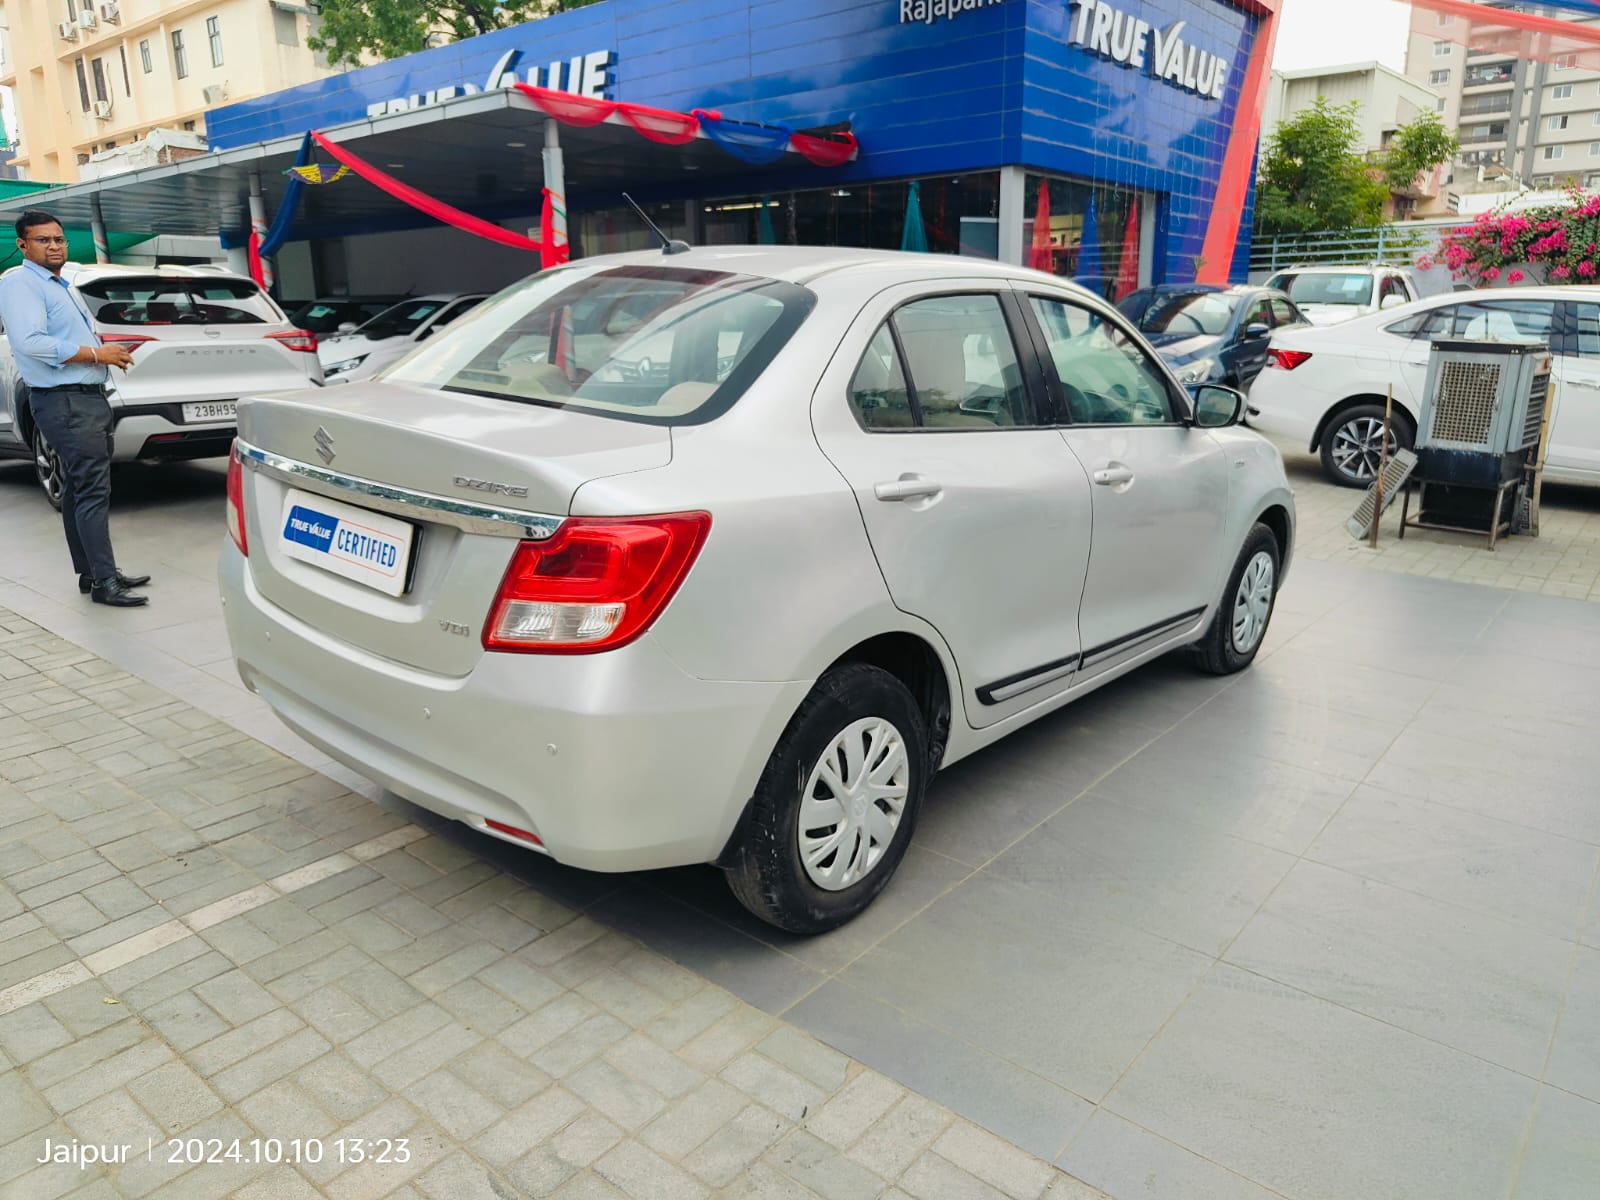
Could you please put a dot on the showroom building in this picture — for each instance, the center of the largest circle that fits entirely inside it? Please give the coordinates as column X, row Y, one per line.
column 1108, row 140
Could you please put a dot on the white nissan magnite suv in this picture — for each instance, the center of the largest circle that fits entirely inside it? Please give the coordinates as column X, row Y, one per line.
column 716, row 556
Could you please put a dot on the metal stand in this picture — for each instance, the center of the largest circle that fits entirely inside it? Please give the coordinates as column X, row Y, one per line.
column 1497, row 523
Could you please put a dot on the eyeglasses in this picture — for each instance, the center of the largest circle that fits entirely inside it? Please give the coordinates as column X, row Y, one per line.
column 49, row 241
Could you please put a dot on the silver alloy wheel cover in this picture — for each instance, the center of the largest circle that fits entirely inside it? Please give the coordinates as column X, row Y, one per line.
column 1358, row 447
column 852, row 803
column 1252, row 603
column 47, row 466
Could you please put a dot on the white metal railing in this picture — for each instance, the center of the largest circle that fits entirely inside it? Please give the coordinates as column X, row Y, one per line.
column 1399, row 243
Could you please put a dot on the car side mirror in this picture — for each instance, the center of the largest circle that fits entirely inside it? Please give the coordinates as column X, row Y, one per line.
column 1393, row 301
column 1255, row 331
column 1217, row 407
column 348, row 327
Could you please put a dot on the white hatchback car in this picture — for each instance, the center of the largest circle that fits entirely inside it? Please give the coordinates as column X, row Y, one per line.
column 1327, row 387
column 360, row 352
column 872, row 512
column 201, row 337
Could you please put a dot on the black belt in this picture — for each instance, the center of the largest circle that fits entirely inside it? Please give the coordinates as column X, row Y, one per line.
column 94, row 389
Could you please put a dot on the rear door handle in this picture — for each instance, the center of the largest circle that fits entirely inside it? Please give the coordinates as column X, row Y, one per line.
column 907, row 489
column 1111, row 476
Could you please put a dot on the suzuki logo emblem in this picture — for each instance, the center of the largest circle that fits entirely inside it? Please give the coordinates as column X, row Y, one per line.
column 324, row 441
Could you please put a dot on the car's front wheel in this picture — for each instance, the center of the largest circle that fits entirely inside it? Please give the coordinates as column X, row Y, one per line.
column 47, row 468
column 835, row 808
column 1352, row 444
column 1245, row 608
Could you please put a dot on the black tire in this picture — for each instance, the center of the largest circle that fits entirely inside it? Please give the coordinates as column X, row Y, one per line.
column 1353, row 439
column 767, row 872
column 47, row 469
column 1218, row 652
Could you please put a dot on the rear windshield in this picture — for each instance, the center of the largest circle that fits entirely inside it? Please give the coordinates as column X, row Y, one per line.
column 152, row 300
column 1327, row 288
column 1190, row 313
column 658, row 344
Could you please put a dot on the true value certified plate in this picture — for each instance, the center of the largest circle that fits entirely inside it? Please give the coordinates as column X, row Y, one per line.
column 368, row 547
column 210, row 410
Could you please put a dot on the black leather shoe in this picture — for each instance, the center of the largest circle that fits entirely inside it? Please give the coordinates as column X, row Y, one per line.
column 85, row 583
column 115, row 593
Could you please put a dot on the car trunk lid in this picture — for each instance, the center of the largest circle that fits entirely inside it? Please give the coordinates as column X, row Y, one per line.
column 458, row 469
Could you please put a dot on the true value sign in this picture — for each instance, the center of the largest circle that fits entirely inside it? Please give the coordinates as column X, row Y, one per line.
column 586, row 75
column 1106, row 30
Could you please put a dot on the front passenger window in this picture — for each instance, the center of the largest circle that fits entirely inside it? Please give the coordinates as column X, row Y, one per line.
column 1106, row 379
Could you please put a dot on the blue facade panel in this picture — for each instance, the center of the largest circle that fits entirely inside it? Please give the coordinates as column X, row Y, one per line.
column 1004, row 83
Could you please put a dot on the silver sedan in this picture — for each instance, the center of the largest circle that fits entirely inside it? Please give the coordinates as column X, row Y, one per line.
column 717, row 556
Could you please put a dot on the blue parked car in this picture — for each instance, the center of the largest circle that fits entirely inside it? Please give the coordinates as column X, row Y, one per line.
column 1211, row 334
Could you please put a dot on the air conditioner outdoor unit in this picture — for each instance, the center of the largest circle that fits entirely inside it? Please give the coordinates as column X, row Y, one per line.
column 102, row 109
column 110, row 14
column 87, row 18
column 215, row 93
column 68, row 31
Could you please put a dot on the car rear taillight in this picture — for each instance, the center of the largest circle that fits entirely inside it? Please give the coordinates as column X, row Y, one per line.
column 131, row 340
column 595, row 585
column 236, row 501
column 1287, row 360
column 297, row 339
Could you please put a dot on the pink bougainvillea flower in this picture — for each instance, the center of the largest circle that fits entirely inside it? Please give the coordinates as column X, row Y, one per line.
column 1586, row 269
column 1515, row 276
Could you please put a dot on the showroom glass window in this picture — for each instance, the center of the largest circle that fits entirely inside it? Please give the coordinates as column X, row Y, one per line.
column 1090, row 229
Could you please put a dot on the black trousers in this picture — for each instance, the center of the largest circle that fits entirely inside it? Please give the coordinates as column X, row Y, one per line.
column 78, row 424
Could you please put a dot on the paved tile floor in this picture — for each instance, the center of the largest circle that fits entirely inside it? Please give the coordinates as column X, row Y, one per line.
column 1326, row 929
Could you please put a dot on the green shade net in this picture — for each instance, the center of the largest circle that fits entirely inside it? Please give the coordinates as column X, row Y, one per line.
column 18, row 194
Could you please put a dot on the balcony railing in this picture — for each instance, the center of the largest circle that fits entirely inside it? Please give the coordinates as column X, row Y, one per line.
column 1482, row 139
column 1486, row 105
column 1476, row 77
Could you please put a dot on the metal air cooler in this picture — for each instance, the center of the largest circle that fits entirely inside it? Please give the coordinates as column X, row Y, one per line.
column 1481, row 411
column 1479, row 420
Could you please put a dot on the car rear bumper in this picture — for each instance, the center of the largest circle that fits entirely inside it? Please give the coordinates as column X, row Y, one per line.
column 1278, row 405
column 618, row 761
column 153, row 433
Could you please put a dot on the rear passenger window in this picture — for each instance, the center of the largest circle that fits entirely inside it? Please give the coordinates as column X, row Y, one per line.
column 878, row 391
column 964, row 370
column 962, row 364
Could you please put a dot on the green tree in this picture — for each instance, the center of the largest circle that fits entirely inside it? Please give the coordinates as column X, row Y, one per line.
column 1415, row 148
column 353, row 30
column 1314, row 175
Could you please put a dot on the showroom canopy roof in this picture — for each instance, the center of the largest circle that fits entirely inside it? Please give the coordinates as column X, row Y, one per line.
column 480, row 153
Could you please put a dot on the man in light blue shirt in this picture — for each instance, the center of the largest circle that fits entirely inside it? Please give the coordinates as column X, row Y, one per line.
column 66, row 368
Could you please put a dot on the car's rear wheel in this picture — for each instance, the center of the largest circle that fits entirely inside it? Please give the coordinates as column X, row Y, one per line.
column 1352, row 444
column 47, row 468
column 1245, row 608
column 835, row 808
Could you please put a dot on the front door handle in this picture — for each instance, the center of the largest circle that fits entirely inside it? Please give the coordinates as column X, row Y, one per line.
column 907, row 489
column 1111, row 476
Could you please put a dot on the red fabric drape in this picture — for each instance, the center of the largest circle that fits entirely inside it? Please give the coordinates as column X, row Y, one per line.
column 256, row 271
column 567, row 108
column 825, row 152
column 436, row 209
column 660, row 124
column 1128, row 270
column 551, row 253
column 1042, row 256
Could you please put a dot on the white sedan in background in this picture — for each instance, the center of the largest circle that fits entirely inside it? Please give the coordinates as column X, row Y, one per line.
column 1326, row 387
column 360, row 352
column 864, row 514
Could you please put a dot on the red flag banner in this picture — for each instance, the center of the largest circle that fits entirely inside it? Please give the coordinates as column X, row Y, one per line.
column 1504, row 31
column 254, row 254
column 660, row 124
column 437, row 209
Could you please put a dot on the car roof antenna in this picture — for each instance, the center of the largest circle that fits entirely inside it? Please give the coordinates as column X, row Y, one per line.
column 668, row 245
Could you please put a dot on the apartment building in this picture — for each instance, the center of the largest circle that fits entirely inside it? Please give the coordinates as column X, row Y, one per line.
column 89, row 76
column 1521, row 123
column 1385, row 100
